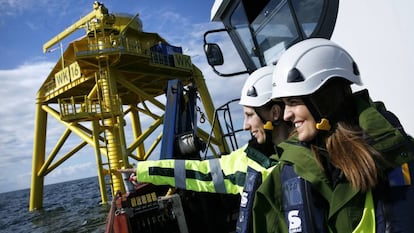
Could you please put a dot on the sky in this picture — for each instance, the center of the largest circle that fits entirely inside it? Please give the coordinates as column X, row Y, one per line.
column 377, row 33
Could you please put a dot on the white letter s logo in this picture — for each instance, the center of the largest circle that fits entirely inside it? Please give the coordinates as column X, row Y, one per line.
column 294, row 221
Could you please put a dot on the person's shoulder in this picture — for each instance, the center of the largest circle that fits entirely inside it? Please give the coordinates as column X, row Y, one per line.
column 238, row 151
column 293, row 143
column 292, row 150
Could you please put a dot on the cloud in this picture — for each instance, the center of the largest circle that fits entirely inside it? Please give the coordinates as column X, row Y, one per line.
column 180, row 31
column 73, row 171
column 46, row 6
column 13, row 7
column 19, row 88
column 21, row 179
column 20, row 85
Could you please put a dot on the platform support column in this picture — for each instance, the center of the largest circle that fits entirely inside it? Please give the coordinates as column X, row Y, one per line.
column 39, row 148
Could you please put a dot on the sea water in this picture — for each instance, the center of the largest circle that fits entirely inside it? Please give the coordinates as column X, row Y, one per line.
column 72, row 206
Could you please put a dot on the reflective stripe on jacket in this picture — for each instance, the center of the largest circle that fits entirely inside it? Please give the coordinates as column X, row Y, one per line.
column 226, row 174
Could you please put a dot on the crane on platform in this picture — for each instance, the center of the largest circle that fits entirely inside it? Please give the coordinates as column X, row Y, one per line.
column 99, row 16
column 116, row 70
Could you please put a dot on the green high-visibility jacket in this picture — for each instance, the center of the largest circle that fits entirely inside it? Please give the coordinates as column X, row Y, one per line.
column 226, row 174
column 268, row 214
column 347, row 209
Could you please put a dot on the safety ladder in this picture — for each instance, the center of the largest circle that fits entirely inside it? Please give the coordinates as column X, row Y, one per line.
column 108, row 121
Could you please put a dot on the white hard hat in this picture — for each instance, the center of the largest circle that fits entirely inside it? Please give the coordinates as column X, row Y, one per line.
column 257, row 89
column 307, row 65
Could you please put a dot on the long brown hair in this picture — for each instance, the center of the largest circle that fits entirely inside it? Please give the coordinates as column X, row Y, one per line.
column 349, row 152
column 345, row 143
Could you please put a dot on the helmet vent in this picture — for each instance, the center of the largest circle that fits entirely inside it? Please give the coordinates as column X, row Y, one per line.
column 355, row 67
column 295, row 76
column 252, row 92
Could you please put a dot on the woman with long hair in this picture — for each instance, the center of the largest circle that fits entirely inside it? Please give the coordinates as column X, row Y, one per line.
column 359, row 150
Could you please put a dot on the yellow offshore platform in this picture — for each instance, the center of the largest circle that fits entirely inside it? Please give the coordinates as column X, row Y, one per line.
column 110, row 73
